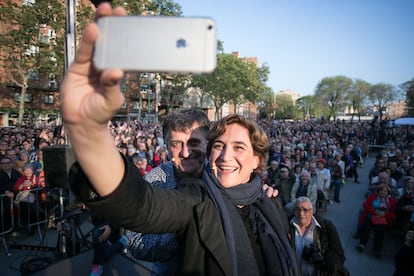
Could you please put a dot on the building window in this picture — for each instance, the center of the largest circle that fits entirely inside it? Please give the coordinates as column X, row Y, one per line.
column 27, row 99
column 28, row 2
column 49, row 99
column 34, row 75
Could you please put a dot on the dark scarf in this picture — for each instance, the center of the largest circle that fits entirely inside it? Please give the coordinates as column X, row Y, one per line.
column 268, row 227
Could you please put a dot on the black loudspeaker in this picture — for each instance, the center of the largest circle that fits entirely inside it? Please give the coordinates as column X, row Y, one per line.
column 57, row 161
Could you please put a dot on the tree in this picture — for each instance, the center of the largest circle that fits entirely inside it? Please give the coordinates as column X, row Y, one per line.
column 306, row 105
column 408, row 88
column 33, row 42
column 220, row 85
column 172, row 81
column 381, row 95
column 234, row 80
column 357, row 95
column 154, row 7
column 174, row 89
column 284, row 107
column 266, row 104
column 331, row 91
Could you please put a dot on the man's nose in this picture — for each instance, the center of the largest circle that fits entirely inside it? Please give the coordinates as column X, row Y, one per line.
column 186, row 151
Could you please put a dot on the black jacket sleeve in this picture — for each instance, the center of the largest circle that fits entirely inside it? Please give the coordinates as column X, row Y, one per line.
column 333, row 253
column 135, row 204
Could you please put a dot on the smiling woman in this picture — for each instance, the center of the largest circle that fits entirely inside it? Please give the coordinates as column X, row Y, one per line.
column 237, row 150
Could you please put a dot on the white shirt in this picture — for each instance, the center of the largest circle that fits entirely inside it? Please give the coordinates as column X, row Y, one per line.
column 306, row 268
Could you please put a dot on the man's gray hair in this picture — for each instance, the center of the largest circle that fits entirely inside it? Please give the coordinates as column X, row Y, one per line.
column 302, row 199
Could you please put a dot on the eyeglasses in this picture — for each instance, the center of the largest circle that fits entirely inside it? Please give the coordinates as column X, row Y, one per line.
column 298, row 210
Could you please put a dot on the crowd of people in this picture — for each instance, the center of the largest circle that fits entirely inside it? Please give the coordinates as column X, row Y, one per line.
column 304, row 163
column 215, row 198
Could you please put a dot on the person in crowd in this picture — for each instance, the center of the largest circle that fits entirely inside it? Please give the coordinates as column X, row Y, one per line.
column 236, row 149
column 27, row 181
column 374, row 171
column 30, row 149
column 297, row 171
column 185, row 135
column 8, row 176
column 384, row 178
column 22, row 161
column 303, row 187
column 395, row 173
column 275, row 153
column 405, row 206
column 284, row 184
column 338, row 175
column 286, row 158
column 404, row 256
column 380, row 204
column 404, row 167
column 306, row 166
column 106, row 242
column 316, row 241
column 142, row 164
column 353, row 159
column 323, row 179
column 11, row 153
column 273, row 173
column 163, row 155
column 25, row 199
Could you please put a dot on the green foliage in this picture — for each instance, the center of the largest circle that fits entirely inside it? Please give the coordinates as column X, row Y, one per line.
column 33, row 38
column 357, row 95
column 380, row 95
column 331, row 92
column 26, row 41
column 284, row 107
column 234, row 81
column 155, row 7
column 408, row 88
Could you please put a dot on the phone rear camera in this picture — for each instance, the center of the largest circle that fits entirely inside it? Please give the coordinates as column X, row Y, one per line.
column 210, row 27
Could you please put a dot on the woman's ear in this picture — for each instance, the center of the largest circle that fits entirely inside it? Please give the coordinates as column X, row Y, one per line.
column 256, row 161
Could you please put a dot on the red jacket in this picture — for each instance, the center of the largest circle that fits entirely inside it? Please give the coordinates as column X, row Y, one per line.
column 369, row 209
column 34, row 179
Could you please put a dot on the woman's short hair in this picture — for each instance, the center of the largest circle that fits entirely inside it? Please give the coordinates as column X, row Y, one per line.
column 258, row 137
column 28, row 166
column 383, row 186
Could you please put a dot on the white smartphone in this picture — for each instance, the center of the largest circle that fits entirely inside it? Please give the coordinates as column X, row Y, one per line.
column 156, row 44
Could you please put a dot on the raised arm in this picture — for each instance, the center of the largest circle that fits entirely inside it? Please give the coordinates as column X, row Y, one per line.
column 89, row 99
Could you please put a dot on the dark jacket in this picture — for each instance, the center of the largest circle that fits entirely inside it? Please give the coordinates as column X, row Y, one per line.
column 187, row 211
column 6, row 182
column 329, row 244
column 404, row 200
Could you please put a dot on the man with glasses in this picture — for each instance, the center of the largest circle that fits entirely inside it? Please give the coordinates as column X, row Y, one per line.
column 8, row 176
column 378, row 167
column 316, row 242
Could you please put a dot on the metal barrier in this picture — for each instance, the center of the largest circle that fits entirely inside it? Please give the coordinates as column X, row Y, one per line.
column 6, row 220
column 32, row 208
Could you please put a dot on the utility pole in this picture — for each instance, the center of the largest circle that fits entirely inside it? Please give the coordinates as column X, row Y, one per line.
column 70, row 36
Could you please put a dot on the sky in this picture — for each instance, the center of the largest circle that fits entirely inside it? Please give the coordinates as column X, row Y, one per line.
column 304, row 41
